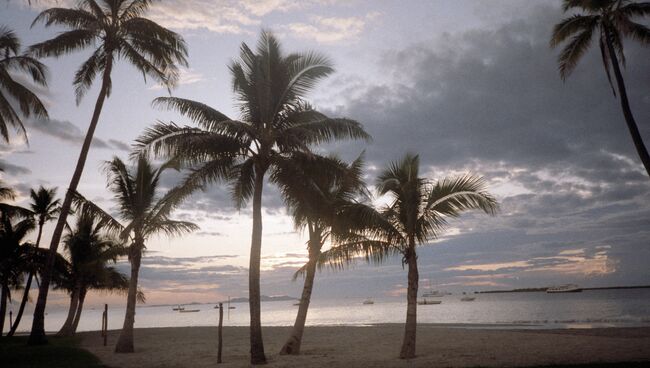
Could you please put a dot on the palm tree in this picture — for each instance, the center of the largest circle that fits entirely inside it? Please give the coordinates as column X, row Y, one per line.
column 89, row 252
column 10, row 89
column 318, row 191
column 417, row 213
column 45, row 207
column 15, row 254
column 275, row 122
column 119, row 30
column 147, row 213
column 611, row 20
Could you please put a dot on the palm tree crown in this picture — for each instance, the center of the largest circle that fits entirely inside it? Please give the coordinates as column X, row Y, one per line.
column 44, row 204
column 119, row 30
column 12, row 90
column 611, row 20
column 605, row 18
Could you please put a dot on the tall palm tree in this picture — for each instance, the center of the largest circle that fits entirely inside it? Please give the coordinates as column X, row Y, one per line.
column 611, row 20
column 417, row 213
column 89, row 252
column 10, row 89
column 15, row 254
column 146, row 213
column 118, row 29
column 275, row 122
column 318, row 191
column 45, row 207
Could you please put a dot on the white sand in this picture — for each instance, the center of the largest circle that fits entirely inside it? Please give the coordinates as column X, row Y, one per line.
column 378, row 346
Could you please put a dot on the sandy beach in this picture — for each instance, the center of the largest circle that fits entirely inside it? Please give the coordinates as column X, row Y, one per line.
column 378, row 346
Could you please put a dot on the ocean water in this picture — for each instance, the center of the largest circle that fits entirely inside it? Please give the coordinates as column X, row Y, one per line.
column 588, row 309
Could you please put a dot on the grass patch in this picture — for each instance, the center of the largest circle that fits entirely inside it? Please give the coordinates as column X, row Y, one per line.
column 59, row 352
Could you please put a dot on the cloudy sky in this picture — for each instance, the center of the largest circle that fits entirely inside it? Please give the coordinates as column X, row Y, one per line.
column 472, row 86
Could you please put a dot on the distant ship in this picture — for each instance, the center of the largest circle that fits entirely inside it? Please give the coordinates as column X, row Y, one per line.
column 467, row 299
column 429, row 302
column 368, row 301
column 179, row 308
column 568, row 288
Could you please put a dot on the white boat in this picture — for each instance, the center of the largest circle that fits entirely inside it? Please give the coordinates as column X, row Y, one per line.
column 467, row 299
column 568, row 288
column 433, row 294
column 368, row 301
column 179, row 308
column 429, row 302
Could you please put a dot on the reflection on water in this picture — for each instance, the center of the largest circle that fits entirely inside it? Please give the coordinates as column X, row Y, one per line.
column 598, row 308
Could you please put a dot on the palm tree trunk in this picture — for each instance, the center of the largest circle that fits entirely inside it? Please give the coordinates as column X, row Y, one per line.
column 37, row 335
column 80, row 306
column 66, row 329
column 28, row 285
column 257, row 343
column 3, row 307
column 408, row 345
column 125, row 341
column 627, row 112
column 23, row 302
column 292, row 346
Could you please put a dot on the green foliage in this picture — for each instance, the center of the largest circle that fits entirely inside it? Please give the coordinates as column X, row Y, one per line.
column 275, row 121
column 416, row 214
column 605, row 18
column 119, row 30
column 12, row 91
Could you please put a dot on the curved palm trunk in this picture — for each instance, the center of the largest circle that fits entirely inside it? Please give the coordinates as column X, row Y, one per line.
column 66, row 329
column 257, row 343
column 125, row 341
column 37, row 335
column 292, row 346
column 28, row 286
column 627, row 112
column 3, row 307
column 80, row 306
column 23, row 302
column 408, row 345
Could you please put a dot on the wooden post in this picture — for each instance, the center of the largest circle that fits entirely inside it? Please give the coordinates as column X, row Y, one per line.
column 105, row 323
column 220, row 337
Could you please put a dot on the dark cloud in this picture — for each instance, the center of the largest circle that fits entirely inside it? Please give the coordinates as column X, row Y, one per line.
column 120, row 145
column 12, row 169
column 491, row 102
column 68, row 132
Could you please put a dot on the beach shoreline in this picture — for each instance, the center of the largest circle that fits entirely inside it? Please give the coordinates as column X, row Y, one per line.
column 378, row 346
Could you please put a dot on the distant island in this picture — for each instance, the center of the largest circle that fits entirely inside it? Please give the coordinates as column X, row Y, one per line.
column 543, row 289
column 263, row 298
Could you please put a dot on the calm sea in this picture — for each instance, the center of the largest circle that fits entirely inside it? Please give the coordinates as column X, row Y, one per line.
column 593, row 308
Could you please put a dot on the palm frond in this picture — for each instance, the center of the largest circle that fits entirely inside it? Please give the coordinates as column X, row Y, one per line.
column 572, row 25
column 573, row 51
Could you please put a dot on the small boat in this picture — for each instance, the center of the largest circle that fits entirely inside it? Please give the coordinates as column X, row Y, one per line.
column 429, row 302
column 179, row 308
column 368, row 301
column 568, row 288
column 468, row 299
column 296, row 304
column 189, row 310
column 217, row 307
